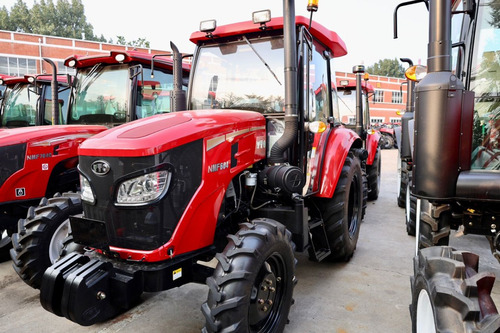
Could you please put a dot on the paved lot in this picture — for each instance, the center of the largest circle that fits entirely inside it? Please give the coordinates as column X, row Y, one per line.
column 371, row 293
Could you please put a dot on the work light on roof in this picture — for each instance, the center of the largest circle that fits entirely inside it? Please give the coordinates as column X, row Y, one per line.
column 120, row 57
column 262, row 17
column 72, row 63
column 208, row 27
column 31, row 79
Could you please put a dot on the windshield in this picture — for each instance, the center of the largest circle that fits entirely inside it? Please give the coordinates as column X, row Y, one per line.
column 20, row 107
column 347, row 106
column 485, row 82
column 233, row 76
column 101, row 95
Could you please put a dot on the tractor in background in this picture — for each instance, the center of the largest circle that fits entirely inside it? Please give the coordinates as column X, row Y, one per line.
column 355, row 113
column 38, row 162
column 257, row 168
column 456, row 166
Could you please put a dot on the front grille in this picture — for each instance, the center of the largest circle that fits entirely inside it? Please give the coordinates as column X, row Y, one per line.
column 143, row 227
column 11, row 160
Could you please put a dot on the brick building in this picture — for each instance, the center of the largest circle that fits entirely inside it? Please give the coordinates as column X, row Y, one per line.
column 22, row 53
column 389, row 97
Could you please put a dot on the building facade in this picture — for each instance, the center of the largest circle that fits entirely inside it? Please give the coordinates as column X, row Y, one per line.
column 22, row 53
column 389, row 97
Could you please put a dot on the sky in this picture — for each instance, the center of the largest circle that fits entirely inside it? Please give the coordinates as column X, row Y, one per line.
column 366, row 26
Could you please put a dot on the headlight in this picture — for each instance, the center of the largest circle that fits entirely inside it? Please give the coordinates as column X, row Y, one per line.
column 143, row 189
column 87, row 194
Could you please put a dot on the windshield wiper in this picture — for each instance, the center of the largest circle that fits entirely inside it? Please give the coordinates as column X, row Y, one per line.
column 261, row 59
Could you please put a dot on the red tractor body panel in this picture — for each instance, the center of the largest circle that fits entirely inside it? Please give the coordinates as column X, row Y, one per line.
column 219, row 130
column 371, row 146
column 46, row 147
column 340, row 141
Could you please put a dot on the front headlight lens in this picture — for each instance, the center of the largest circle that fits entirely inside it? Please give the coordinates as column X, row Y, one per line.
column 87, row 194
column 143, row 189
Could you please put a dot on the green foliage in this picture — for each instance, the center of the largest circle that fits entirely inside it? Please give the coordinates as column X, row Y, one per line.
column 65, row 18
column 387, row 67
column 139, row 42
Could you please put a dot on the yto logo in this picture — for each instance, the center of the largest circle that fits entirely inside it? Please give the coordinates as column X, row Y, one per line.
column 100, row 167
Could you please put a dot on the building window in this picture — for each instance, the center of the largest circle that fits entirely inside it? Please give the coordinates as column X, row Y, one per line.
column 378, row 96
column 397, row 97
column 17, row 66
column 376, row 121
column 61, row 69
column 395, row 120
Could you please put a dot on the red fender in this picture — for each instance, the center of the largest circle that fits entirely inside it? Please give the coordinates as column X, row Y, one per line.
column 339, row 143
column 372, row 145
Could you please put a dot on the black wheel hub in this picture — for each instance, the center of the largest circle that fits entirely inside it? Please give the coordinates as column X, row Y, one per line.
column 264, row 298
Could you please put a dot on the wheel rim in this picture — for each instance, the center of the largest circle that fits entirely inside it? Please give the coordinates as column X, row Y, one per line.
column 353, row 207
column 425, row 315
column 268, row 290
column 57, row 241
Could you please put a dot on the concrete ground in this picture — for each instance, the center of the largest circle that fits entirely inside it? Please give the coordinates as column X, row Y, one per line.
column 370, row 293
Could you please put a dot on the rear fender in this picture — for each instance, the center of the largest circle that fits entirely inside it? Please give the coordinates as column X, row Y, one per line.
column 340, row 141
column 372, row 145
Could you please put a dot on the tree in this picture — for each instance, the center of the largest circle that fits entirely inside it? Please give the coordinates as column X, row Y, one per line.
column 5, row 23
column 66, row 18
column 387, row 67
column 139, row 42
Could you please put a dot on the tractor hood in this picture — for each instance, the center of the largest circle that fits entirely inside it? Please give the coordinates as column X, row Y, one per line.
column 12, row 136
column 159, row 133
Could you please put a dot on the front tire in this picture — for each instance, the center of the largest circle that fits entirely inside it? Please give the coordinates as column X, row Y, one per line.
column 342, row 214
column 252, row 286
column 42, row 237
column 447, row 292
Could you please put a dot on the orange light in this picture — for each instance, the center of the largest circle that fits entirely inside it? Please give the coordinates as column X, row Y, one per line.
column 400, row 112
column 312, row 5
column 317, row 127
column 367, row 76
column 416, row 73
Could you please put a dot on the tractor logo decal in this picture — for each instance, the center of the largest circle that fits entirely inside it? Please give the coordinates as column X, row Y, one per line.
column 218, row 167
column 100, row 167
column 20, row 192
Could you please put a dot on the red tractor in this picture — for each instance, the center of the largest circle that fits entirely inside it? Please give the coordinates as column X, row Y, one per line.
column 456, row 166
column 38, row 162
column 354, row 111
column 257, row 169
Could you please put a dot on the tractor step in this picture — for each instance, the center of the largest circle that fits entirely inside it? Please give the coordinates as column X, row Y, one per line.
column 320, row 248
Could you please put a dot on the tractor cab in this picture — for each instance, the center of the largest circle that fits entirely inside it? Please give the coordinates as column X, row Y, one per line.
column 28, row 100
column 241, row 67
column 121, row 87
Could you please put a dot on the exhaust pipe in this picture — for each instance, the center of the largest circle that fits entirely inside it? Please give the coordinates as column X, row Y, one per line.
column 291, row 88
column 55, row 93
column 179, row 98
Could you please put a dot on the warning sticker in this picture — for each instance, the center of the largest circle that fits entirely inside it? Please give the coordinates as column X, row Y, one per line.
column 177, row 274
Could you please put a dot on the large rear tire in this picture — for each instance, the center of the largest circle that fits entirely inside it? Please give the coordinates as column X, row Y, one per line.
column 404, row 176
column 410, row 211
column 252, row 286
column 43, row 237
column 386, row 141
column 373, row 174
column 448, row 295
column 342, row 214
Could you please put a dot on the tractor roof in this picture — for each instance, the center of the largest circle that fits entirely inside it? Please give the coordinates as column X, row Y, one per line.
column 327, row 37
column 351, row 84
column 129, row 56
column 45, row 78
